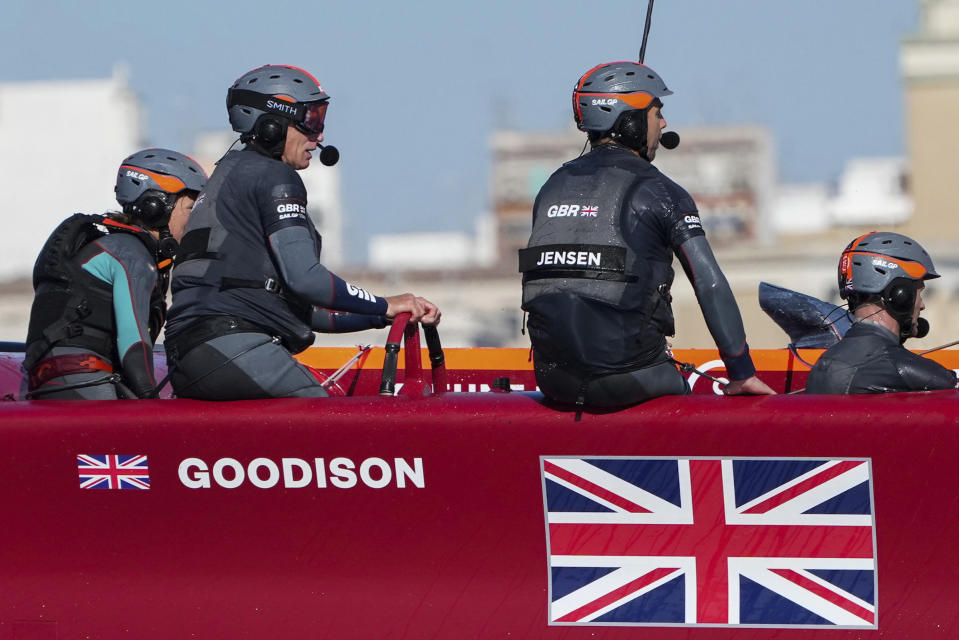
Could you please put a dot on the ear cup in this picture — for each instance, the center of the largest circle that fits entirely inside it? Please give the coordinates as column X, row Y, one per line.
column 900, row 297
column 630, row 129
column 152, row 212
column 269, row 131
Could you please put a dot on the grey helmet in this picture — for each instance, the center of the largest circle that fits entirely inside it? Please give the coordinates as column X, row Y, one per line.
column 606, row 91
column 871, row 263
column 275, row 90
column 153, row 177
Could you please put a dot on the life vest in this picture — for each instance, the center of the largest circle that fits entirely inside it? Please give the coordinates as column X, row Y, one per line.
column 72, row 307
column 224, row 266
column 594, row 304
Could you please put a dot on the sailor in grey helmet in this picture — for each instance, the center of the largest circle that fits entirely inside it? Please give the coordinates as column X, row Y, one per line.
column 101, row 284
column 597, row 269
column 159, row 187
column 249, row 288
column 882, row 275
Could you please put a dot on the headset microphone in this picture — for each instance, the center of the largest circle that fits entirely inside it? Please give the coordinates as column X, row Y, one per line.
column 922, row 328
column 669, row 140
column 329, row 155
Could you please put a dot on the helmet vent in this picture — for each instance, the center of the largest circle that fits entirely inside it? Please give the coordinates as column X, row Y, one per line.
column 586, row 84
column 251, row 80
column 135, row 181
column 297, row 81
column 609, row 77
column 274, row 76
column 650, row 76
column 606, row 109
column 630, row 73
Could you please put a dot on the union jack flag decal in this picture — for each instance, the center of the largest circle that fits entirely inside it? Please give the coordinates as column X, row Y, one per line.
column 113, row 472
column 590, row 211
column 748, row 542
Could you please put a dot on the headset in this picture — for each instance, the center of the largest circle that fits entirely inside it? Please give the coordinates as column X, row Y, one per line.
column 900, row 296
column 269, row 131
column 153, row 209
column 630, row 129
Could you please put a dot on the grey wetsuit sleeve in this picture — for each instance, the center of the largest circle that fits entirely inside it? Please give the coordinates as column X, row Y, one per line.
column 295, row 252
column 719, row 307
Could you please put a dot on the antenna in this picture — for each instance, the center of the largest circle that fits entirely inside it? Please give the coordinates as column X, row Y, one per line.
column 649, row 19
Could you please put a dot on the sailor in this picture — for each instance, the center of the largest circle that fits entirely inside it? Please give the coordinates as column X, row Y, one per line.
column 101, row 284
column 882, row 276
column 248, row 287
column 597, row 270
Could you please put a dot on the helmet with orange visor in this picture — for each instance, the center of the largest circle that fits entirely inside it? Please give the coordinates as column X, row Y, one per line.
column 887, row 269
column 606, row 92
column 263, row 101
column 874, row 261
column 150, row 181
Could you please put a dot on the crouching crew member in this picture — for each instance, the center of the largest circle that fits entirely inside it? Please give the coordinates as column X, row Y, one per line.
column 100, row 285
column 882, row 276
column 248, row 287
column 597, row 271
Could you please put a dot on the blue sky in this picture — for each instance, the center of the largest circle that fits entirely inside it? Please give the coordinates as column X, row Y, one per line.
column 418, row 87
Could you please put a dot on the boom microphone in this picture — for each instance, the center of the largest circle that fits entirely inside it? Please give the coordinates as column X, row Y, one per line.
column 669, row 140
column 329, row 155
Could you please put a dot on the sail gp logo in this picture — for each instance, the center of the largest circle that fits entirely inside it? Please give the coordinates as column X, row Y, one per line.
column 771, row 542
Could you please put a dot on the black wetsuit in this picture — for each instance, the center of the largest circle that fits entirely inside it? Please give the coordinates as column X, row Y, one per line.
column 869, row 359
column 597, row 274
column 99, row 305
column 249, row 288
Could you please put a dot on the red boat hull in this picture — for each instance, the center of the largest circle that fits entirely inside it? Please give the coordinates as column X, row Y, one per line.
column 464, row 555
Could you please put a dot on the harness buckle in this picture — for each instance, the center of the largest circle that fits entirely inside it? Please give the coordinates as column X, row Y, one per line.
column 271, row 285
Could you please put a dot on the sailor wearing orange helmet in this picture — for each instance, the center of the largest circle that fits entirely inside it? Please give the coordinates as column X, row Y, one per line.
column 249, row 287
column 882, row 275
column 101, row 285
column 597, row 270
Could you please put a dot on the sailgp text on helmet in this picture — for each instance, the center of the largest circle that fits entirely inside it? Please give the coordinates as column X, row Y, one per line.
column 149, row 182
column 872, row 262
column 281, row 93
column 609, row 90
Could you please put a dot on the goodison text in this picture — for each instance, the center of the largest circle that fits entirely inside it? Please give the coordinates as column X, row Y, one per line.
column 297, row 473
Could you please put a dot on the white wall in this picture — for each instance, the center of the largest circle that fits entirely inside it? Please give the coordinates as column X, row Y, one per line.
column 61, row 143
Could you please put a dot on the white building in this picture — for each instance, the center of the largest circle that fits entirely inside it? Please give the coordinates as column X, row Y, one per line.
column 435, row 250
column 61, row 143
column 871, row 191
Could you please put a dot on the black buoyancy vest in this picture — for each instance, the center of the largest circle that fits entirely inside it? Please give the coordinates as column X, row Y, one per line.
column 224, row 266
column 594, row 304
column 73, row 308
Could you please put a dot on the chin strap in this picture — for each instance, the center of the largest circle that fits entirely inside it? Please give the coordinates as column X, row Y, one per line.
column 167, row 246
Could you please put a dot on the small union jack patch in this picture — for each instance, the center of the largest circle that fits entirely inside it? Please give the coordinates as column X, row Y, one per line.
column 113, row 472
column 590, row 211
